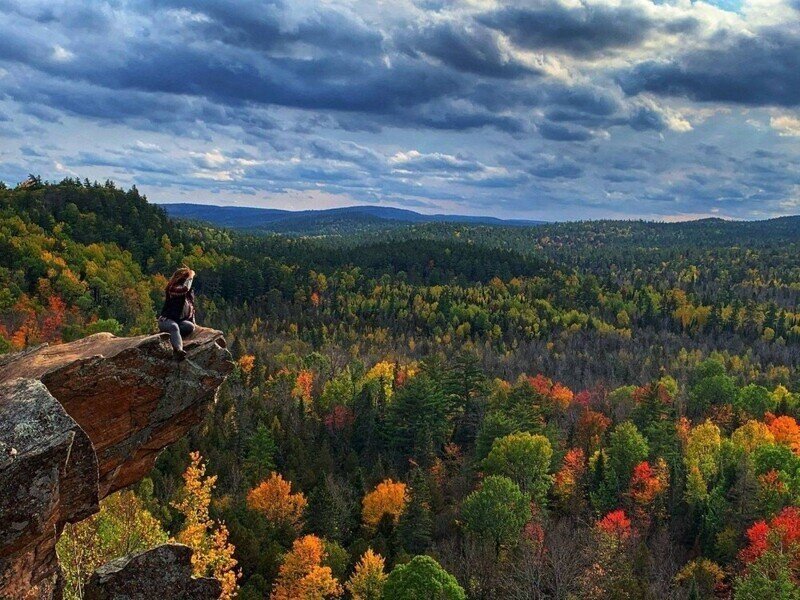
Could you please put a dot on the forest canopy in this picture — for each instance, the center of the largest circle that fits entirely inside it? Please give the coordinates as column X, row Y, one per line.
column 577, row 410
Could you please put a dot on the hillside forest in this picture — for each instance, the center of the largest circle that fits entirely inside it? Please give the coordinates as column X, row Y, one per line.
column 587, row 410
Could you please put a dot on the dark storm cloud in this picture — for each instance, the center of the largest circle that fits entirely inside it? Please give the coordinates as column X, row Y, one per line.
column 563, row 133
column 461, row 116
column 209, row 55
column 582, row 30
column 80, row 15
column 43, row 113
column 556, row 168
column 741, row 69
column 181, row 114
column 644, row 118
column 437, row 162
column 500, row 181
column 127, row 162
column 85, row 100
column 264, row 26
column 189, row 62
column 593, row 100
column 16, row 46
column 212, row 61
column 31, row 152
column 346, row 152
column 325, row 83
column 583, row 105
column 465, row 47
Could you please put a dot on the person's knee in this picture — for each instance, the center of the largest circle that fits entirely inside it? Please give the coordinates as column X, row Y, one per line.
column 169, row 327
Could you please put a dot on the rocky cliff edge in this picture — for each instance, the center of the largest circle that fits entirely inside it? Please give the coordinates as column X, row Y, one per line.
column 81, row 420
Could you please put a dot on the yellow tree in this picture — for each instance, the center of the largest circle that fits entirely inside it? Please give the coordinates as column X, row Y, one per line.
column 246, row 363
column 751, row 435
column 383, row 372
column 302, row 576
column 274, row 499
column 388, row 498
column 213, row 553
column 702, row 456
column 368, row 578
column 123, row 526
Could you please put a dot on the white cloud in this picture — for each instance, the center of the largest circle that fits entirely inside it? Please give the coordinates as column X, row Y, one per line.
column 147, row 146
column 64, row 169
column 214, row 175
column 786, row 125
column 61, row 54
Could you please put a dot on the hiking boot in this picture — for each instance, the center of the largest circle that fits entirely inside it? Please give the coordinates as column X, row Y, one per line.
column 179, row 354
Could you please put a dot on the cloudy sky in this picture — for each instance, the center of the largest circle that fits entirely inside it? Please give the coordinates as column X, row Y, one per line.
column 553, row 109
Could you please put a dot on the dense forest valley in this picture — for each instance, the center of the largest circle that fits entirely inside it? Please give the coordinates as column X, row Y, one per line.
column 585, row 410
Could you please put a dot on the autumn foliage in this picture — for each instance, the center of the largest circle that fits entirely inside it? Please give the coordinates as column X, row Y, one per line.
column 648, row 483
column 274, row 499
column 786, row 431
column 213, row 553
column 567, row 479
column 368, row 578
column 246, row 363
column 383, row 372
column 123, row 526
column 615, row 525
column 388, row 498
column 781, row 533
column 339, row 418
column 302, row 575
column 303, row 385
column 560, row 395
column 590, row 429
column 431, row 355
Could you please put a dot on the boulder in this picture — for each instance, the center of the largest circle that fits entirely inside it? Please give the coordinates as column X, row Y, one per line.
column 163, row 572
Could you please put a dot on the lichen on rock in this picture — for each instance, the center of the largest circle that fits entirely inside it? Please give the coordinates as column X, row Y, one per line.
column 163, row 572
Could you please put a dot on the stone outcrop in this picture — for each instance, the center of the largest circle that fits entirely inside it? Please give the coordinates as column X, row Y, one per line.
column 163, row 572
column 48, row 477
column 128, row 394
column 81, row 420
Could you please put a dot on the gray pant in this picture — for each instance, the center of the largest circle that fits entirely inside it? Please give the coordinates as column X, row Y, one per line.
column 177, row 331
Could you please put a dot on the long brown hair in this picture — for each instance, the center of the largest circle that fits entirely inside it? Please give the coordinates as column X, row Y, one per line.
column 177, row 277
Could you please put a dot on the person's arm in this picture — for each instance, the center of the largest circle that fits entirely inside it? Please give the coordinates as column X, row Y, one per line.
column 183, row 288
column 178, row 290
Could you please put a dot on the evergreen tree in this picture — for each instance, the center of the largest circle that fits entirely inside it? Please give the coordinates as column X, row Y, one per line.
column 415, row 527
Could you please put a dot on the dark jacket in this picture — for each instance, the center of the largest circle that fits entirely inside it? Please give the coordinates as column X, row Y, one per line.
column 178, row 304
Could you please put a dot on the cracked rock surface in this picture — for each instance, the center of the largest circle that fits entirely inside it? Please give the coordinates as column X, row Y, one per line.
column 163, row 572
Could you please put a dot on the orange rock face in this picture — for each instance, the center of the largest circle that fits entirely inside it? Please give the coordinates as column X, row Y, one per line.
column 113, row 405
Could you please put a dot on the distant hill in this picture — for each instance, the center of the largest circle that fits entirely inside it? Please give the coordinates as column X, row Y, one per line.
column 332, row 220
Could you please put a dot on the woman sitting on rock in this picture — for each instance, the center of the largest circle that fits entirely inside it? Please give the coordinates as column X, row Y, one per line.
column 177, row 314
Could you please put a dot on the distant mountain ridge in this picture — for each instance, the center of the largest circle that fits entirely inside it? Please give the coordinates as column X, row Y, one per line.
column 306, row 221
